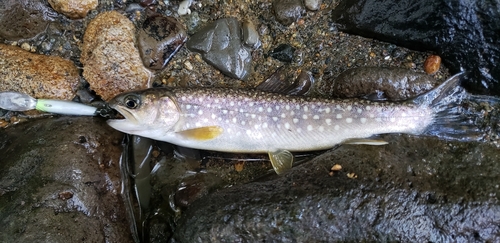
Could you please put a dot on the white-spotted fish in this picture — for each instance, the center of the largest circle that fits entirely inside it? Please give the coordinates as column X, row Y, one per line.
column 252, row 121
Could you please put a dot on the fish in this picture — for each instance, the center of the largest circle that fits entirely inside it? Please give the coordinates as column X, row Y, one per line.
column 255, row 121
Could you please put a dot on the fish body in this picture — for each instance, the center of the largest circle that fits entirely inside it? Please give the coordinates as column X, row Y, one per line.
column 253, row 121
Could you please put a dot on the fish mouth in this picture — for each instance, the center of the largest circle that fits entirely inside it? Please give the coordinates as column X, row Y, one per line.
column 128, row 124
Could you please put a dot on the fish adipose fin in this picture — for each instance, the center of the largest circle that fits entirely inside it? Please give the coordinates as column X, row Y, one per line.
column 282, row 160
column 459, row 115
column 202, row 133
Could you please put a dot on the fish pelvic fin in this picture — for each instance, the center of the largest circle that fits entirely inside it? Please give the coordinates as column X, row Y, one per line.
column 202, row 133
column 459, row 115
column 282, row 160
column 365, row 141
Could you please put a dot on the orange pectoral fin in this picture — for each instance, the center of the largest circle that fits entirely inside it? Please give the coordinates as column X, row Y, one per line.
column 202, row 133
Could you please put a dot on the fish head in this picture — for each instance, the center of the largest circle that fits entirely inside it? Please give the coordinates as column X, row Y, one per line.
column 145, row 112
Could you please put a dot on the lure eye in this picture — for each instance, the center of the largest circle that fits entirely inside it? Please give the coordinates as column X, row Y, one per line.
column 131, row 102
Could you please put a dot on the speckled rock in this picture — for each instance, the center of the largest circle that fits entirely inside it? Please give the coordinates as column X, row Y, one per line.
column 74, row 9
column 312, row 5
column 394, row 83
column 159, row 39
column 37, row 75
column 112, row 63
column 24, row 19
column 288, row 11
column 61, row 182
column 220, row 44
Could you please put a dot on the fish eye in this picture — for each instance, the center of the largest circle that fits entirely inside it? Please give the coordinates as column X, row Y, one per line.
column 131, row 102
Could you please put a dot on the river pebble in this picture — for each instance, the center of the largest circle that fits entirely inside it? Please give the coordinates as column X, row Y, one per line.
column 74, row 9
column 288, row 11
column 284, row 53
column 312, row 5
column 159, row 39
column 432, row 64
column 220, row 44
column 112, row 63
column 37, row 75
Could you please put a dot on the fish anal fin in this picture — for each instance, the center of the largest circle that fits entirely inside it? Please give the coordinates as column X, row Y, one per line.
column 202, row 133
column 282, row 160
column 365, row 141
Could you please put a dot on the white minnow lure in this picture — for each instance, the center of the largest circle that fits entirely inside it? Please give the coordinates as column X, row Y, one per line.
column 15, row 101
column 252, row 121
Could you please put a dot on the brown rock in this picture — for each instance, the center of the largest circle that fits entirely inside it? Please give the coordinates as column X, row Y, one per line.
column 432, row 64
column 37, row 75
column 74, row 9
column 112, row 63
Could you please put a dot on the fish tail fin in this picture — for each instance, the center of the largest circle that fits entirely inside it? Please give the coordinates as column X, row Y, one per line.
column 459, row 115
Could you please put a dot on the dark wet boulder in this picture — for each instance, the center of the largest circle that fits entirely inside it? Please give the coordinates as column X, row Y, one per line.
column 24, row 19
column 288, row 11
column 414, row 189
column 60, row 182
column 464, row 33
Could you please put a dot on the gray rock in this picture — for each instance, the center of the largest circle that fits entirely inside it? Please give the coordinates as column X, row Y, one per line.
column 60, row 182
column 220, row 44
column 159, row 40
column 250, row 35
column 312, row 5
column 414, row 189
column 288, row 11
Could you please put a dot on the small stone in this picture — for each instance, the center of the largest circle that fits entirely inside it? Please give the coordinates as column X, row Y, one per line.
column 220, row 44
column 40, row 76
column 283, row 52
column 288, row 11
column 112, row 63
column 312, row 5
column 65, row 195
column 188, row 65
column 239, row 166
column 160, row 38
column 184, row 7
column 352, row 175
column 26, row 46
column 75, row 9
column 432, row 64
column 250, row 35
column 336, row 167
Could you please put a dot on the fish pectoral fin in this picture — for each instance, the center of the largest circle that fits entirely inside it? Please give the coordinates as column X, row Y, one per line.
column 202, row 133
column 365, row 141
column 282, row 160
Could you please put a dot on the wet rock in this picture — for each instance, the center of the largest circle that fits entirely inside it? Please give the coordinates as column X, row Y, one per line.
column 432, row 64
column 414, row 189
column 75, row 9
column 61, row 181
column 283, row 52
column 461, row 32
column 159, row 40
column 288, row 11
column 37, row 75
column 394, row 83
column 312, row 5
column 112, row 63
column 250, row 35
column 220, row 44
column 24, row 19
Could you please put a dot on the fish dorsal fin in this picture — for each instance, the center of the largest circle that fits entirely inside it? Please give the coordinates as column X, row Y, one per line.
column 202, row 133
column 282, row 160
column 365, row 141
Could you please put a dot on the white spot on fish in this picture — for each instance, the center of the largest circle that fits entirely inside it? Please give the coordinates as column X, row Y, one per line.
column 339, row 116
column 295, row 120
column 287, row 125
column 264, row 125
column 321, row 128
column 200, row 112
column 327, row 110
column 241, row 111
column 251, row 104
column 304, row 117
column 275, row 118
column 348, row 120
column 393, row 119
column 360, row 111
column 336, row 127
column 372, row 115
column 261, row 109
column 338, row 107
column 231, row 103
column 316, row 117
column 349, row 107
column 197, row 124
column 306, row 108
column 253, row 116
column 283, row 115
column 183, row 98
column 243, row 123
column 269, row 109
column 249, row 132
column 235, row 120
column 200, row 99
column 287, row 107
column 362, row 120
column 256, row 126
column 297, row 107
column 309, row 127
column 328, row 121
column 277, row 107
column 224, row 111
column 368, row 108
column 188, row 107
column 403, row 114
